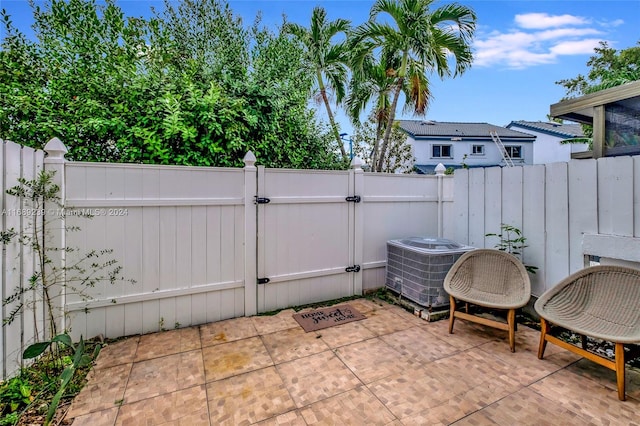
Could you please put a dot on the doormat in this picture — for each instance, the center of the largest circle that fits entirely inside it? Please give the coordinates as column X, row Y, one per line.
column 327, row 317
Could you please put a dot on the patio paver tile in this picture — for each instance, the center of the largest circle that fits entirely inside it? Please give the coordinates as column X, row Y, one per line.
column 469, row 379
column 472, row 368
column 272, row 323
column 98, row 418
column 104, row 388
column 316, row 377
column 590, row 399
column 184, row 407
column 419, row 345
column 384, row 321
column 467, row 401
column 411, row 392
column 524, row 407
column 229, row 359
column 607, row 377
column 248, row 398
column 386, row 369
column 287, row 345
column 466, row 335
column 357, row 406
column 122, row 352
column 365, row 306
column 168, row 374
column 216, row 333
column 170, row 342
column 345, row 334
column 292, row 418
column 373, row 359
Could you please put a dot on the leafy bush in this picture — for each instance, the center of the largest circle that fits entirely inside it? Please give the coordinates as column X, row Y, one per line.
column 512, row 241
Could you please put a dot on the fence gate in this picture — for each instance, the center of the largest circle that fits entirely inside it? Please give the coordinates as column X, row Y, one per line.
column 305, row 238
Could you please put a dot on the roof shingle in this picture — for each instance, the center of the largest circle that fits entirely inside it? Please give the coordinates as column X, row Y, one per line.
column 453, row 129
column 567, row 130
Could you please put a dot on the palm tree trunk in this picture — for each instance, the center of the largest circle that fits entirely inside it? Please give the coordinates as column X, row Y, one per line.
column 323, row 93
column 376, row 144
column 387, row 131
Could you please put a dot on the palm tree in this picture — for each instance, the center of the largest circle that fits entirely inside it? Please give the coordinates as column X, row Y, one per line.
column 328, row 60
column 377, row 78
column 371, row 81
column 424, row 40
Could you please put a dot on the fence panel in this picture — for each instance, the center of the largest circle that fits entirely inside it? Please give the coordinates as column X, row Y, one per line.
column 513, row 197
column 557, row 223
column 476, row 207
column 583, row 202
column 394, row 206
column 18, row 262
column 303, row 237
column 533, row 223
column 493, row 204
column 177, row 231
column 615, row 189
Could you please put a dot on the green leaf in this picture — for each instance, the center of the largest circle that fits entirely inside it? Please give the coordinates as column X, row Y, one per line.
column 65, row 339
column 77, row 357
column 34, row 350
column 25, row 390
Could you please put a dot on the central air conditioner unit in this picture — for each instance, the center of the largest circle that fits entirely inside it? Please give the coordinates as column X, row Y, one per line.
column 417, row 266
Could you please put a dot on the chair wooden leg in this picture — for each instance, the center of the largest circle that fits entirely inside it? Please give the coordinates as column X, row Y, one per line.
column 544, row 329
column 583, row 340
column 511, row 320
column 620, row 370
column 452, row 312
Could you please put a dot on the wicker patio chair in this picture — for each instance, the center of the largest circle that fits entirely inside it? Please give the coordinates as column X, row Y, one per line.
column 602, row 302
column 491, row 279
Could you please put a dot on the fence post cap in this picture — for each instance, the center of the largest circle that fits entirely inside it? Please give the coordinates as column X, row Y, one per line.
column 356, row 163
column 55, row 149
column 249, row 159
column 440, row 169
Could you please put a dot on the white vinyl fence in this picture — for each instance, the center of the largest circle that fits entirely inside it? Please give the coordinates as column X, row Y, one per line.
column 18, row 262
column 207, row 244
column 565, row 210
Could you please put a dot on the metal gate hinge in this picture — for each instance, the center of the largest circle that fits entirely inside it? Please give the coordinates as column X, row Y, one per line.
column 354, row 268
column 263, row 280
column 262, row 200
column 354, row 199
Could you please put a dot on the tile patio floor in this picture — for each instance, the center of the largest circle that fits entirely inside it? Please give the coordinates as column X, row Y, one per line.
column 391, row 368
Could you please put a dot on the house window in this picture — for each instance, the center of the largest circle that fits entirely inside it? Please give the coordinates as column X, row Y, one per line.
column 441, row 151
column 514, row 151
column 477, row 150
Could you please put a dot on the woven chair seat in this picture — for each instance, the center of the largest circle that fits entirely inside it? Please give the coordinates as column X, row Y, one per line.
column 492, row 279
column 602, row 302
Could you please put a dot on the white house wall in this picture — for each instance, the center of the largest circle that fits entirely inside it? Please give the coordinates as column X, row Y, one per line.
column 548, row 149
column 422, row 150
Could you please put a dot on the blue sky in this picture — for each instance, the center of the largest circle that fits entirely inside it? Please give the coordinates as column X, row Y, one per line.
column 521, row 48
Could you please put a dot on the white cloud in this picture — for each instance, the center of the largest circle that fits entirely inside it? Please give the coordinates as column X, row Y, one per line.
column 579, row 47
column 615, row 23
column 544, row 20
column 561, row 33
column 539, row 38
